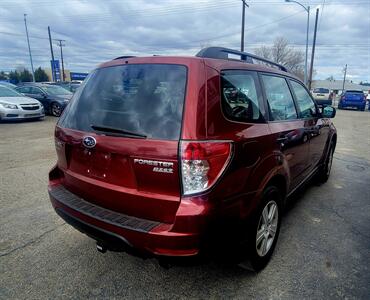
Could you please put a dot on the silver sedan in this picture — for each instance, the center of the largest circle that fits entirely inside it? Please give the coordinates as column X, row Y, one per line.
column 15, row 106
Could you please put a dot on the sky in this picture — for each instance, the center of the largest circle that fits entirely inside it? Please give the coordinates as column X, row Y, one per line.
column 96, row 31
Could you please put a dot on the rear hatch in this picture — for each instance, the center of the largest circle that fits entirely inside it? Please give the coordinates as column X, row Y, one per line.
column 118, row 140
column 354, row 96
column 321, row 94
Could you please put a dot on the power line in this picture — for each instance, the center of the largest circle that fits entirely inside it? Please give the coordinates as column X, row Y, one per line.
column 205, row 6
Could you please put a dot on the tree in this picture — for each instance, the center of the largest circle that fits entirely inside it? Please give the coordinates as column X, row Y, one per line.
column 40, row 75
column 25, row 76
column 280, row 52
column 14, row 77
column 3, row 76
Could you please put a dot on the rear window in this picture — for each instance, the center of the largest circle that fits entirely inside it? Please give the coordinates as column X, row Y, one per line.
column 240, row 96
column 354, row 92
column 146, row 99
column 321, row 90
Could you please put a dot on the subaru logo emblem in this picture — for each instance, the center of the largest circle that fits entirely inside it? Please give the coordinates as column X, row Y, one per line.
column 89, row 142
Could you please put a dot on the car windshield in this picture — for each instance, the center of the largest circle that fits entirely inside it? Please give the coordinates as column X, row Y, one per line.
column 321, row 90
column 7, row 92
column 143, row 99
column 56, row 90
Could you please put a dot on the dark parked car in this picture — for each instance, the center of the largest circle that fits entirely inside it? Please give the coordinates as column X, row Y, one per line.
column 53, row 98
column 70, row 86
column 177, row 156
column 352, row 99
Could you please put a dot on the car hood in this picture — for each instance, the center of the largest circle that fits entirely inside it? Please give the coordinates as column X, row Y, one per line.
column 19, row 100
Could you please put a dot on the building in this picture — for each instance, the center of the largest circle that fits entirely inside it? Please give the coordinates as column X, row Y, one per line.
column 337, row 85
column 50, row 76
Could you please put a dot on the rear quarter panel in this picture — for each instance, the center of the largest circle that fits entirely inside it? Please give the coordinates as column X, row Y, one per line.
column 254, row 160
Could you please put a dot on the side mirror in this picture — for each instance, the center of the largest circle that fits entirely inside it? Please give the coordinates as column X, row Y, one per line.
column 328, row 112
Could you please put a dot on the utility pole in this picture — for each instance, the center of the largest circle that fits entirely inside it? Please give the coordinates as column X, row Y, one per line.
column 244, row 4
column 52, row 57
column 61, row 56
column 29, row 47
column 344, row 78
column 313, row 49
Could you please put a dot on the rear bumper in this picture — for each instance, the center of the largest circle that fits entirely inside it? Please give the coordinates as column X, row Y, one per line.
column 138, row 236
column 355, row 104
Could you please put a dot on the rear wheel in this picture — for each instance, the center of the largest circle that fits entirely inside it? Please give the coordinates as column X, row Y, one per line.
column 264, row 230
column 56, row 109
column 324, row 172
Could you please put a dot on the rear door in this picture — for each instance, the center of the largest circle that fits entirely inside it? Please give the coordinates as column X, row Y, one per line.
column 317, row 127
column 118, row 139
column 290, row 132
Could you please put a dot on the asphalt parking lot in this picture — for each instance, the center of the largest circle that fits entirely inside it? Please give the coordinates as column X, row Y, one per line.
column 323, row 249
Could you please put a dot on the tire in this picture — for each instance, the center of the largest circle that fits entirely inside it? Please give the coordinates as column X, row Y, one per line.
column 56, row 109
column 324, row 171
column 261, row 242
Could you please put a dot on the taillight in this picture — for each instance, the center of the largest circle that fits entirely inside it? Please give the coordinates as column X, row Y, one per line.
column 343, row 98
column 202, row 163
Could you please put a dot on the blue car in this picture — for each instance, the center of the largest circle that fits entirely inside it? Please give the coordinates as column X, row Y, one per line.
column 353, row 99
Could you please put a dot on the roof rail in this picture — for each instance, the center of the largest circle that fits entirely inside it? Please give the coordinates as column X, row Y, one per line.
column 223, row 53
column 123, row 57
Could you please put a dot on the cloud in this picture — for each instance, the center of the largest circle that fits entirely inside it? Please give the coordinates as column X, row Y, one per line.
column 96, row 31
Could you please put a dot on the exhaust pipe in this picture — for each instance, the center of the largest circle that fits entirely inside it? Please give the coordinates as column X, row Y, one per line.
column 101, row 248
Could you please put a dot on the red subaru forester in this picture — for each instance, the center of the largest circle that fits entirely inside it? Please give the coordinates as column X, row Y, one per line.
column 159, row 154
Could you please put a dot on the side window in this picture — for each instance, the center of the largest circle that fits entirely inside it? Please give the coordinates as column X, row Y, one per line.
column 279, row 98
column 304, row 101
column 240, row 96
column 35, row 91
column 24, row 89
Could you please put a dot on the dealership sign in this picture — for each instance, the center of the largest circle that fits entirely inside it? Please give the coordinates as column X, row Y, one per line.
column 55, row 70
column 78, row 76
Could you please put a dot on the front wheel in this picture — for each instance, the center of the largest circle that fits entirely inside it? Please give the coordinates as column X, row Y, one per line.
column 264, row 232
column 56, row 109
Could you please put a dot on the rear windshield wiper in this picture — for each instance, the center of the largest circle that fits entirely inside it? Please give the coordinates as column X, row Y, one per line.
column 118, row 131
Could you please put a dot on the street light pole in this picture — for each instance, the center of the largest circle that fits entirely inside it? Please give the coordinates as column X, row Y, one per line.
column 307, row 9
column 29, row 47
column 244, row 4
column 306, row 54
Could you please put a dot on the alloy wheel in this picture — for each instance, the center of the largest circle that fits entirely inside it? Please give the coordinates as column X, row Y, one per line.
column 56, row 110
column 267, row 227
